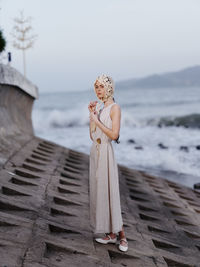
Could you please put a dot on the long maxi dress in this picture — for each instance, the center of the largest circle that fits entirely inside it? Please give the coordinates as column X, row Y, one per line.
column 104, row 195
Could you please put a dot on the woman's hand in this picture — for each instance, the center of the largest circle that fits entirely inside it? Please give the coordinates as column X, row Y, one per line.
column 94, row 117
column 92, row 106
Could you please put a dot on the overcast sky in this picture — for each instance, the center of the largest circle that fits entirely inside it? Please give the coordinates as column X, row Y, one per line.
column 80, row 39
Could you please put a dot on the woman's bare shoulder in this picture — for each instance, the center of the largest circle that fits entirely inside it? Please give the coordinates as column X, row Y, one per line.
column 115, row 107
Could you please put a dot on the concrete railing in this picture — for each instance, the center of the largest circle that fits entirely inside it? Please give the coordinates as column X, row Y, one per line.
column 17, row 95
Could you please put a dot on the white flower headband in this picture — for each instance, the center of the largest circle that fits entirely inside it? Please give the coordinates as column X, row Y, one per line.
column 108, row 83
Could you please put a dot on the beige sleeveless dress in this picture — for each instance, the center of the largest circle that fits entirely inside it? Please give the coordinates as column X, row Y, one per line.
column 105, row 207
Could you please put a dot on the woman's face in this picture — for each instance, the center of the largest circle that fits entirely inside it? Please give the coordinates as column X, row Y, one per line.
column 100, row 90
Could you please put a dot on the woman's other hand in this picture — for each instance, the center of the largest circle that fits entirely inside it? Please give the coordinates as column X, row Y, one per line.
column 93, row 116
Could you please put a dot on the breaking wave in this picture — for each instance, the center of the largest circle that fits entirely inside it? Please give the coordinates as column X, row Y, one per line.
column 72, row 118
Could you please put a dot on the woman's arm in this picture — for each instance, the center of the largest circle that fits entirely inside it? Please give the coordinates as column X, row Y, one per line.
column 91, row 108
column 91, row 122
column 115, row 115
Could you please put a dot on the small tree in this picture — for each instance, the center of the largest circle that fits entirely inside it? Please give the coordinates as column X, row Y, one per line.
column 21, row 34
column 2, row 42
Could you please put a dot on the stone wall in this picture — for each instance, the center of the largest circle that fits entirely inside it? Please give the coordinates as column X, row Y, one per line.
column 17, row 95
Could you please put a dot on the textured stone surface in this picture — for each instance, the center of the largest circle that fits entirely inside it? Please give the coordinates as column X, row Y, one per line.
column 10, row 76
column 44, row 214
column 15, row 111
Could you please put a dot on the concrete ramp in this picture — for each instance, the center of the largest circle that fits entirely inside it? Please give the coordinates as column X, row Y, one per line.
column 44, row 214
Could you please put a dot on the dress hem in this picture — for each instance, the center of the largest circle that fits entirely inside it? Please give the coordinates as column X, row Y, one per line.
column 103, row 231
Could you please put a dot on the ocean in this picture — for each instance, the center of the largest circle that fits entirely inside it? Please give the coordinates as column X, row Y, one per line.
column 160, row 128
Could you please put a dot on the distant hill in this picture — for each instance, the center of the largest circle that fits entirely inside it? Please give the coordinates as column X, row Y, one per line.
column 189, row 77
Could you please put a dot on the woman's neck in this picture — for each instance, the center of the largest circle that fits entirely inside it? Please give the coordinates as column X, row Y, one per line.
column 108, row 102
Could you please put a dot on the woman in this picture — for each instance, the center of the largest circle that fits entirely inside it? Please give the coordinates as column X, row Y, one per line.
column 105, row 208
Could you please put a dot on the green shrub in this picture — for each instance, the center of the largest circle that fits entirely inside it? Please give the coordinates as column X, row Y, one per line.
column 2, row 42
